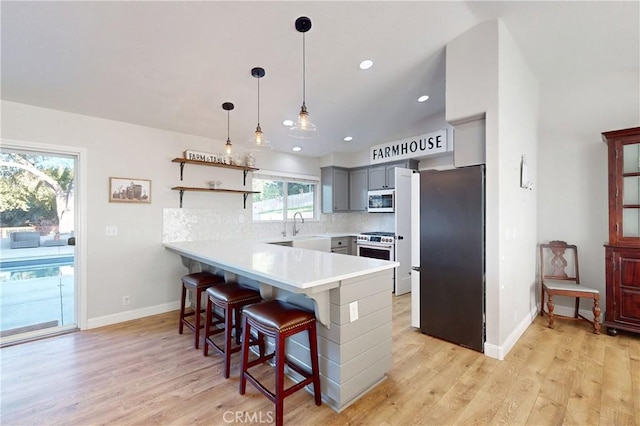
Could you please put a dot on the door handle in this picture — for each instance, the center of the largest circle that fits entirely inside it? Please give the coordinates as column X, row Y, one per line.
column 400, row 237
column 416, row 268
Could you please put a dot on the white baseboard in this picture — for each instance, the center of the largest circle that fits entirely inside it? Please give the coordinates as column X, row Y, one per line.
column 499, row 352
column 131, row 315
column 493, row 351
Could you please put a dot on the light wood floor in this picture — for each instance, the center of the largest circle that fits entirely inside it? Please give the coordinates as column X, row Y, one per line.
column 143, row 372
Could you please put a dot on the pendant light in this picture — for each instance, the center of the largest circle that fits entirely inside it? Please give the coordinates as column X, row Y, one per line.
column 303, row 128
column 227, row 106
column 259, row 142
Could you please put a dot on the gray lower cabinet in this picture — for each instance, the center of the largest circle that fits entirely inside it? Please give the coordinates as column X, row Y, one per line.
column 335, row 189
column 358, row 186
column 340, row 245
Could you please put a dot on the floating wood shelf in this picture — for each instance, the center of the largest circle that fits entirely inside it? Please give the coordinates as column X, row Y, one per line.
column 182, row 190
column 184, row 161
column 244, row 169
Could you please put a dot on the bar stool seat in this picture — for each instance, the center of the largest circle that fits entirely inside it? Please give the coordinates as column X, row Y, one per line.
column 279, row 320
column 231, row 298
column 197, row 283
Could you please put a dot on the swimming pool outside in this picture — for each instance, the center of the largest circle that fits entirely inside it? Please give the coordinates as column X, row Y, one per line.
column 36, row 288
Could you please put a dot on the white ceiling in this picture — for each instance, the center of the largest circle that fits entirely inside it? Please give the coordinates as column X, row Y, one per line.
column 171, row 65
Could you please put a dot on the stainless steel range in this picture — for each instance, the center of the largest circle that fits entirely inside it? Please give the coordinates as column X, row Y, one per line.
column 378, row 245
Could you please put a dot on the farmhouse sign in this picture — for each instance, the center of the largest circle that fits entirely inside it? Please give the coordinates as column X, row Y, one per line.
column 413, row 147
column 206, row 156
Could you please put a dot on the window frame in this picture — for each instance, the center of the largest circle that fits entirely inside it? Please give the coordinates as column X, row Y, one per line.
column 289, row 178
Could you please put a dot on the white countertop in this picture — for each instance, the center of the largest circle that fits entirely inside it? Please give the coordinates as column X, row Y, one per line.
column 338, row 234
column 301, row 270
column 303, row 237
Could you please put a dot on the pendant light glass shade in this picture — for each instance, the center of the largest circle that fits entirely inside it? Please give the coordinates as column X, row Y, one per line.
column 227, row 106
column 303, row 128
column 259, row 142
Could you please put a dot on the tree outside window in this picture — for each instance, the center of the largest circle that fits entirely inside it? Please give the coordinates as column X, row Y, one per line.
column 36, row 190
column 281, row 199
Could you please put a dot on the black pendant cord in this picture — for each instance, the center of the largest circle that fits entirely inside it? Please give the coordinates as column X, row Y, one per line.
column 258, row 102
column 228, row 140
column 304, row 73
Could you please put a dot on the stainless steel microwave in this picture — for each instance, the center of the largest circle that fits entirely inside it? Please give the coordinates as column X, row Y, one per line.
column 381, row 201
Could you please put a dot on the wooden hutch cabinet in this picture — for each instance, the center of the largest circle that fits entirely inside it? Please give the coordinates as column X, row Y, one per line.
column 623, row 251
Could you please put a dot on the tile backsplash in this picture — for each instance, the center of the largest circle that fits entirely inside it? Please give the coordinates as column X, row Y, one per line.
column 207, row 224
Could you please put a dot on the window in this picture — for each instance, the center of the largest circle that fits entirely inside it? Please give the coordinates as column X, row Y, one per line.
column 282, row 197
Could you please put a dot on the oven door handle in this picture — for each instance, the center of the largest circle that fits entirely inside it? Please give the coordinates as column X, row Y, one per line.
column 376, row 246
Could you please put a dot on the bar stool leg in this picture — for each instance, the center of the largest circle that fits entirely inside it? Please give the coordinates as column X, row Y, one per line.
column 182, row 309
column 197, row 318
column 207, row 326
column 238, row 313
column 244, row 361
column 228, row 326
column 279, row 379
column 315, row 368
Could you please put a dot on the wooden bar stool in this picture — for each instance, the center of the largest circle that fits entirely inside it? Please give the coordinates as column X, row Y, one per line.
column 279, row 320
column 197, row 283
column 231, row 298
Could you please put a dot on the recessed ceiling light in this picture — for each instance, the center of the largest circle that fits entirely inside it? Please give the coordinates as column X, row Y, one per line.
column 296, row 149
column 366, row 64
column 288, row 123
column 423, row 98
column 348, row 138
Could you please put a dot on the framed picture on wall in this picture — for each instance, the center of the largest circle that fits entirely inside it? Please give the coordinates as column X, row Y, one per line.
column 129, row 190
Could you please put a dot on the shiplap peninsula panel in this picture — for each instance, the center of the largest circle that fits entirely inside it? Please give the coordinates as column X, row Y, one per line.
column 354, row 355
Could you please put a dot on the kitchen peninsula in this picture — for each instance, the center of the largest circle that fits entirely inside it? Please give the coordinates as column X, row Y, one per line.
column 350, row 295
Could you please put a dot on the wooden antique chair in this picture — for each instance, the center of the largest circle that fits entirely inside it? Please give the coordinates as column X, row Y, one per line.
column 560, row 277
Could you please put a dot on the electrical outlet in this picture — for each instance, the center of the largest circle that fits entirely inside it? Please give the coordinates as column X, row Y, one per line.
column 126, row 300
column 353, row 311
column 111, row 231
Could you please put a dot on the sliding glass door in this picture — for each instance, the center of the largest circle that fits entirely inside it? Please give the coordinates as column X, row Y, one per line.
column 38, row 286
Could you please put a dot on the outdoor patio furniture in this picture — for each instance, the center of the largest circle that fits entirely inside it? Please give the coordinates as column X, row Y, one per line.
column 54, row 243
column 25, row 239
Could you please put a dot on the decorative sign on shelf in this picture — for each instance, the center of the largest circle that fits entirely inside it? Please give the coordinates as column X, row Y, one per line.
column 207, row 156
column 413, row 147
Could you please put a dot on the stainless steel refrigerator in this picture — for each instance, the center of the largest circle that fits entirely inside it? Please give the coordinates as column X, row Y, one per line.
column 452, row 260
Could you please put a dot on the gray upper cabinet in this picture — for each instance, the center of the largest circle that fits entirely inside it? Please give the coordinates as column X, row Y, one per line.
column 335, row 189
column 383, row 176
column 345, row 190
column 377, row 177
column 358, row 181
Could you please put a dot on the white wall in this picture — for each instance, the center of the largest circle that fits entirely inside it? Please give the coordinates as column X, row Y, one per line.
column 486, row 73
column 518, row 118
column 135, row 263
column 572, row 166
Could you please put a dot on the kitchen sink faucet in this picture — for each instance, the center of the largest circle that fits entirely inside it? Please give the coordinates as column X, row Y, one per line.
column 295, row 230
